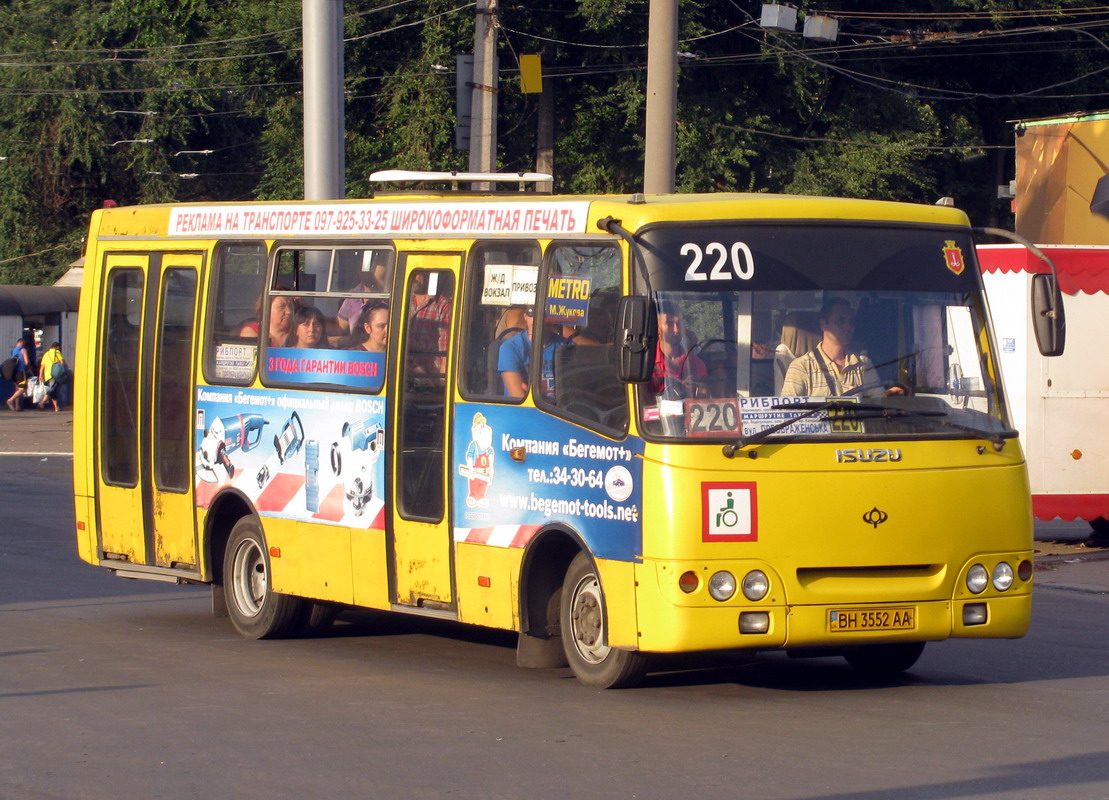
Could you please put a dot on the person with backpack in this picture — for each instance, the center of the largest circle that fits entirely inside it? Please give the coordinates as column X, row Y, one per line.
column 52, row 374
column 20, row 370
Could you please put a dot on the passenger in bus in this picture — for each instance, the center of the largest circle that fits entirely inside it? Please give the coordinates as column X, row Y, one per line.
column 831, row 369
column 344, row 330
column 799, row 336
column 282, row 309
column 676, row 369
column 429, row 326
column 373, row 325
column 308, row 328
column 514, row 358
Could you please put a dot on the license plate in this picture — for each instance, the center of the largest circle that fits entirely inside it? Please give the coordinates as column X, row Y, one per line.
column 841, row 620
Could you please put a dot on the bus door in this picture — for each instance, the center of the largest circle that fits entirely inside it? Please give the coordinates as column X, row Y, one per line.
column 143, row 408
column 419, row 432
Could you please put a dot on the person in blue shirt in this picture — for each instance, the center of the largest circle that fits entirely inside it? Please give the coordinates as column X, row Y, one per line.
column 514, row 359
column 19, row 378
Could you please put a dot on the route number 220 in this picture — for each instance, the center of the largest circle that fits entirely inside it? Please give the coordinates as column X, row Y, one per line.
column 717, row 262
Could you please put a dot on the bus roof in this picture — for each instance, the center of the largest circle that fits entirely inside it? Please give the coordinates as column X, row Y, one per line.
column 456, row 215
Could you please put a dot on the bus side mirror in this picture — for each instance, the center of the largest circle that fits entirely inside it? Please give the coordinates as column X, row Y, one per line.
column 637, row 332
column 1048, row 320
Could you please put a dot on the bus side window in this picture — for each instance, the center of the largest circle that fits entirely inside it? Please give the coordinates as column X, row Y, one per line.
column 235, row 312
column 500, row 285
column 585, row 387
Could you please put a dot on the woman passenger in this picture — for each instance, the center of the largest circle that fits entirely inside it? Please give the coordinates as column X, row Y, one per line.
column 373, row 325
column 308, row 329
column 282, row 309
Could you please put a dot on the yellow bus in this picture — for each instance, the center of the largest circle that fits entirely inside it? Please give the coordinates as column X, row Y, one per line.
column 617, row 425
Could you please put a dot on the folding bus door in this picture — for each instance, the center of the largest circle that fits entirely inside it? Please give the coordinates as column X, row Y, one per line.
column 420, row 519
column 144, row 403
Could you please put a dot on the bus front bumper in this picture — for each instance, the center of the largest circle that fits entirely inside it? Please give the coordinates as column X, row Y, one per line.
column 684, row 623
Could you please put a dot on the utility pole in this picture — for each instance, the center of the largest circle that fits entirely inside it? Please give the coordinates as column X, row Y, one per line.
column 544, row 144
column 483, row 119
column 660, row 154
column 324, row 105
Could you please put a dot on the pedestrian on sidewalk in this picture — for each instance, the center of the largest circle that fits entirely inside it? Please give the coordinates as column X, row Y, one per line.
column 19, row 375
column 52, row 374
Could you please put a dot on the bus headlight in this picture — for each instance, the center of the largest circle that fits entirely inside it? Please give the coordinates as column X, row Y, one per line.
column 722, row 586
column 1002, row 577
column 977, row 579
column 755, row 585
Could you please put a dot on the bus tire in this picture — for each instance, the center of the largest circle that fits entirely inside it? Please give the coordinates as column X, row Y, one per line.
column 317, row 618
column 582, row 620
column 255, row 610
column 884, row 660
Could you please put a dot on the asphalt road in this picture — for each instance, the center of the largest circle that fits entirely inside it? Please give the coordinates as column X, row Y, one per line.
column 118, row 689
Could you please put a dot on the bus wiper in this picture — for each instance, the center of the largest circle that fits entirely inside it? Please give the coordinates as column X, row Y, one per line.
column 997, row 439
column 810, row 409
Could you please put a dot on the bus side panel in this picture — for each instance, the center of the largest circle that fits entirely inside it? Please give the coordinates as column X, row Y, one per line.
column 310, row 464
column 618, row 585
column 86, row 527
column 487, row 580
column 369, row 567
column 314, row 559
column 84, row 479
column 541, row 471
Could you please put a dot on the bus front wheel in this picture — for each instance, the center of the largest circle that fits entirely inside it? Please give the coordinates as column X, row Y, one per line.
column 255, row 610
column 582, row 619
column 884, row 660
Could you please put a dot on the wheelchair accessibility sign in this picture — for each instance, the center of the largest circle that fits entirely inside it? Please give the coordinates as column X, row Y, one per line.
column 729, row 512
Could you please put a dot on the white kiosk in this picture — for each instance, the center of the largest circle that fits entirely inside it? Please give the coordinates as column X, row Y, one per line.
column 1060, row 405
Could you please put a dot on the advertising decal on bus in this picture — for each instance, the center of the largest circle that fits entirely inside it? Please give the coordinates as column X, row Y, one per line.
column 380, row 219
column 357, row 368
column 302, row 456
column 567, row 474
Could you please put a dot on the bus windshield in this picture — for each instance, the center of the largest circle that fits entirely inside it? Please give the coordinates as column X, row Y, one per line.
column 802, row 332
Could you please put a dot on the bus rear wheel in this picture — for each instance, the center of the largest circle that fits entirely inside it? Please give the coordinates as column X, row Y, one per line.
column 884, row 660
column 582, row 619
column 256, row 611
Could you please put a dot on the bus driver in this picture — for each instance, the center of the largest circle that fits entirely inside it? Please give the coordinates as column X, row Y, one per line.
column 830, row 369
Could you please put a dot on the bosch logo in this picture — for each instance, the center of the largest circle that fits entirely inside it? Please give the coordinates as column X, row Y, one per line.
column 873, row 455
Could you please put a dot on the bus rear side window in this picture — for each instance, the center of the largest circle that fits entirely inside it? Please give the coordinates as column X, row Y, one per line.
column 120, row 381
column 173, row 381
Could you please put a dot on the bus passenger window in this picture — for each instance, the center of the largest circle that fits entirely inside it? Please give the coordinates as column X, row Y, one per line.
column 235, row 312
column 500, row 288
column 361, row 275
column 583, row 288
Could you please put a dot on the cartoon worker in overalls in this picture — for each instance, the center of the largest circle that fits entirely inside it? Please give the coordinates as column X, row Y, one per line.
column 478, row 469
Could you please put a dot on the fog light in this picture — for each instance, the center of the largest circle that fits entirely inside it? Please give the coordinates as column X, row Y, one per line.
column 1024, row 570
column 974, row 614
column 688, row 582
column 754, row 622
column 722, row 586
column 1002, row 577
column 755, row 585
column 977, row 579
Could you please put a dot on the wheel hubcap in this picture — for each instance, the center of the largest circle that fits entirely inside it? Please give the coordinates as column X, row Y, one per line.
column 249, row 581
column 587, row 620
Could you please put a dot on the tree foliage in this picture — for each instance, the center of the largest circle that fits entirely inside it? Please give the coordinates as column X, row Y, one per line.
column 193, row 100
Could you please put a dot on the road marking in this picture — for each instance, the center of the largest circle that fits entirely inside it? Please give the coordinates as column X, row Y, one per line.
column 29, row 453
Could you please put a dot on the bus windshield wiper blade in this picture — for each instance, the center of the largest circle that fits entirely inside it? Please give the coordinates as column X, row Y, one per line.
column 997, row 439
column 810, row 409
